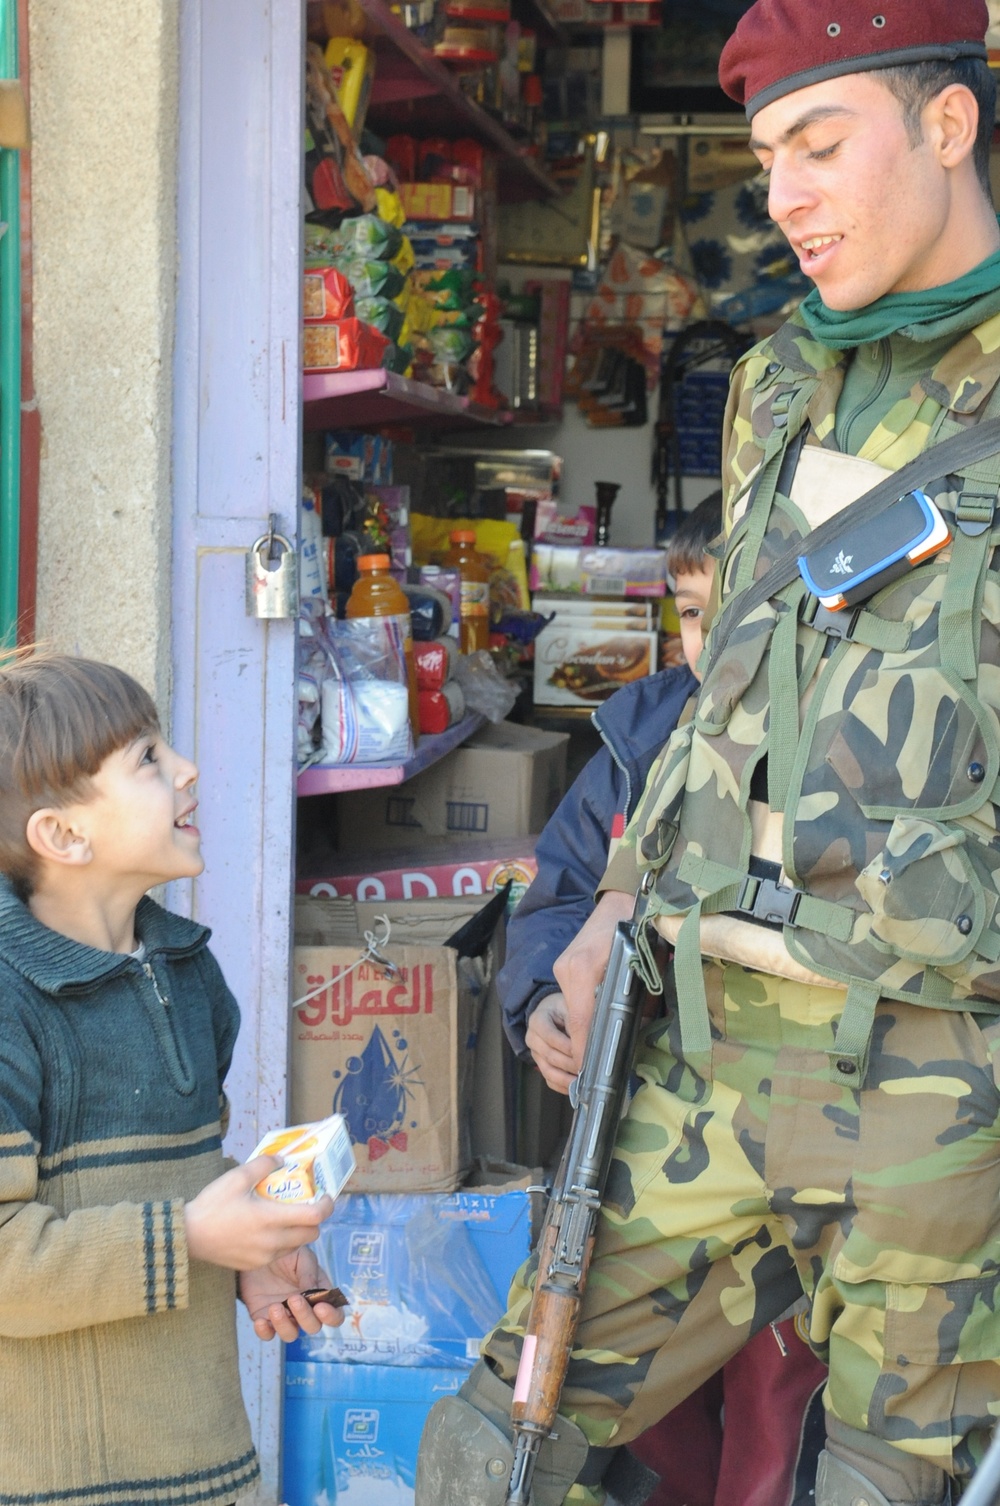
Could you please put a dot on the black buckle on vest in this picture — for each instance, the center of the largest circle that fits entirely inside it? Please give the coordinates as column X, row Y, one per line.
column 769, row 903
column 975, row 511
column 835, row 624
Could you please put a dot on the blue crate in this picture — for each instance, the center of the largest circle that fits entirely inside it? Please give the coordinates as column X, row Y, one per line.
column 351, row 1431
column 426, row 1275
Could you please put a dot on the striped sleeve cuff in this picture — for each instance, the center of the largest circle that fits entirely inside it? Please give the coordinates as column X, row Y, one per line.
column 165, row 1256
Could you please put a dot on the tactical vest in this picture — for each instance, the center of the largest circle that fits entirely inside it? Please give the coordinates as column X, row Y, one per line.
column 830, row 814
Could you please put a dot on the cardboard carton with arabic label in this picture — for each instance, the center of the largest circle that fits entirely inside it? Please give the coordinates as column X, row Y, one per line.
column 391, row 1051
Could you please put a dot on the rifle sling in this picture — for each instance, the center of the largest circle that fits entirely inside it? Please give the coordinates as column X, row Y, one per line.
column 972, row 445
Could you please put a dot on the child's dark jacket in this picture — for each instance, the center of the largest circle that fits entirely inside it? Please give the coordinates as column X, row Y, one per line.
column 118, row 1373
column 572, row 852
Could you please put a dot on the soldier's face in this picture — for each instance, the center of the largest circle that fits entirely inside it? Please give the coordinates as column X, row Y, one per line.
column 866, row 210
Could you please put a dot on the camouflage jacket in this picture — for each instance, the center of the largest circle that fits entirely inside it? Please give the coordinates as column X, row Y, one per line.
column 841, row 790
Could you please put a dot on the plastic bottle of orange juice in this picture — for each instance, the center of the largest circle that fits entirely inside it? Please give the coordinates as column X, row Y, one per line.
column 474, row 628
column 377, row 594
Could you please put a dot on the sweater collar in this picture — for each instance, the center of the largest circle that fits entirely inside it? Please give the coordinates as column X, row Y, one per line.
column 56, row 964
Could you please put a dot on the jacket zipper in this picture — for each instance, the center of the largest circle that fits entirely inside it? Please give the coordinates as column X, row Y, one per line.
column 881, row 382
column 606, row 740
column 147, row 969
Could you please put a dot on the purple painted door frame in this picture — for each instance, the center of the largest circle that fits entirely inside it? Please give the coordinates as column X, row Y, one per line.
column 236, row 459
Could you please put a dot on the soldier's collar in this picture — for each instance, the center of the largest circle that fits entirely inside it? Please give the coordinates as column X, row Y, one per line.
column 967, row 373
column 961, row 380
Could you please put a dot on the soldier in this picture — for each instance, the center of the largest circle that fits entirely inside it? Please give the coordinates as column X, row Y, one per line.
column 822, row 842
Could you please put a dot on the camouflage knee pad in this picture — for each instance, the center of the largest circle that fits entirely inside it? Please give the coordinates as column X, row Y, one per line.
column 859, row 1469
column 466, row 1452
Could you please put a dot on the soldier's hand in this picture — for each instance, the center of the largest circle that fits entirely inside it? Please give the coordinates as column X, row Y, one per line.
column 547, row 1038
column 580, row 968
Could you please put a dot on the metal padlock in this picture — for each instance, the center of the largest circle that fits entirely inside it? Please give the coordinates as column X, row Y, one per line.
column 272, row 586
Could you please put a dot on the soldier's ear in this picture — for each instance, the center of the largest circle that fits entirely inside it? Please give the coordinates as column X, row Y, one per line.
column 951, row 125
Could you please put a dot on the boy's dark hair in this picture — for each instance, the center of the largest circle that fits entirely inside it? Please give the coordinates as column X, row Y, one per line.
column 916, row 84
column 60, row 718
column 687, row 549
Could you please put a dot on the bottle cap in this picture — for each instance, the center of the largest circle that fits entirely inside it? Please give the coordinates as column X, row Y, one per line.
column 463, row 536
column 373, row 562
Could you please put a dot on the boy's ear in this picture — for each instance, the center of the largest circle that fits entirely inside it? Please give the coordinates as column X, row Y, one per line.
column 53, row 836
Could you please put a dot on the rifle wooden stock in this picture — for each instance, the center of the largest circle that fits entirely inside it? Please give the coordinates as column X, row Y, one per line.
column 567, row 1240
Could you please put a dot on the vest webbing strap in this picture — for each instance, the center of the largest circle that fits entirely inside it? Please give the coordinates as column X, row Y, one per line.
column 951, row 455
column 727, row 888
column 960, row 618
column 852, row 1041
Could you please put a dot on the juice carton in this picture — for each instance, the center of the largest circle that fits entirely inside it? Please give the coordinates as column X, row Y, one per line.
column 319, row 1159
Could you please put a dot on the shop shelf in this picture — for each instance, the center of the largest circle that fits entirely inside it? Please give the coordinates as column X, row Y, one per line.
column 371, row 399
column 412, row 88
column 329, row 779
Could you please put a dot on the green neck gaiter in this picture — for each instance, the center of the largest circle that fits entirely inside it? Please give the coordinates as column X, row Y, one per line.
column 923, row 315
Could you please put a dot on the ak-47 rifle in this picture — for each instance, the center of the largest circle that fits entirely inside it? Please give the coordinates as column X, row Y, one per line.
column 567, row 1238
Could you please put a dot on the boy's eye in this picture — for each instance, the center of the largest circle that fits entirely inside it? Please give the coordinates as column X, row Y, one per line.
column 148, row 753
column 827, row 151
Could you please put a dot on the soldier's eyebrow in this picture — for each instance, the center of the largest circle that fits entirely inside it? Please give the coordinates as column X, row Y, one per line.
column 811, row 117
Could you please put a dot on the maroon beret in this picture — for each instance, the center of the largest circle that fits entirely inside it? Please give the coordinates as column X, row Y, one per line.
column 783, row 45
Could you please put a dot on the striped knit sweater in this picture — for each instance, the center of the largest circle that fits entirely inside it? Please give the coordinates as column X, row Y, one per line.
column 119, row 1383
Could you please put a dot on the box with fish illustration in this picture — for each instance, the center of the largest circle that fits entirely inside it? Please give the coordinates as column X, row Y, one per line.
column 426, row 1275
column 387, row 1038
column 351, row 1432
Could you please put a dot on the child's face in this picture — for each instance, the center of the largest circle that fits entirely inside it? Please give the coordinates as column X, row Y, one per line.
column 691, row 596
column 138, row 817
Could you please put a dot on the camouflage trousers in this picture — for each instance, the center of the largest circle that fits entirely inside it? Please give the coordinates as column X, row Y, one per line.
column 746, row 1174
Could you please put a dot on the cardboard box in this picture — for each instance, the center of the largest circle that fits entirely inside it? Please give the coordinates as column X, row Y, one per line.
column 438, row 201
column 394, row 1056
column 351, row 1431
column 445, row 866
column 504, row 782
column 593, row 611
column 426, row 1276
column 599, row 571
column 583, row 666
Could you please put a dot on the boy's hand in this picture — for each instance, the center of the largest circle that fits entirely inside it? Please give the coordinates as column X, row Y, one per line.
column 266, row 1291
column 231, row 1225
column 581, row 967
column 547, row 1038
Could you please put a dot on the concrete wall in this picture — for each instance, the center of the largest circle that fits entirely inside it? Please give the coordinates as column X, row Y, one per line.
column 104, row 87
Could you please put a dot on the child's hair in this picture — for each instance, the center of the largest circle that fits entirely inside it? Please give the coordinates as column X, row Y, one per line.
column 60, row 718
column 689, row 545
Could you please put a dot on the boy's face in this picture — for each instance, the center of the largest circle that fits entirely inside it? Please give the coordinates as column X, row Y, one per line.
column 693, row 589
column 138, row 817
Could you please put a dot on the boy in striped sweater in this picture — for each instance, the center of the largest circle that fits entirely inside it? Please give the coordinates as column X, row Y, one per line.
column 123, row 1237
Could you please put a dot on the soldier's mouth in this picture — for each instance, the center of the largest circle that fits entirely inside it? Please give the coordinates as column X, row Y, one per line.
column 814, row 247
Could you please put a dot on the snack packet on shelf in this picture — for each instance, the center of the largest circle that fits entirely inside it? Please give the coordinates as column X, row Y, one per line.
column 343, row 345
column 362, row 237
column 319, row 1160
column 326, row 295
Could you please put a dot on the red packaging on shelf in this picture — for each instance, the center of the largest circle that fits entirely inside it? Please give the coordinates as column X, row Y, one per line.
column 343, row 345
column 433, row 664
column 326, row 295
column 439, row 709
column 434, row 154
column 401, row 155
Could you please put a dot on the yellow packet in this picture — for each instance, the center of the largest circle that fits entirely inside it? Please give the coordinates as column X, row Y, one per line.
column 319, row 1159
